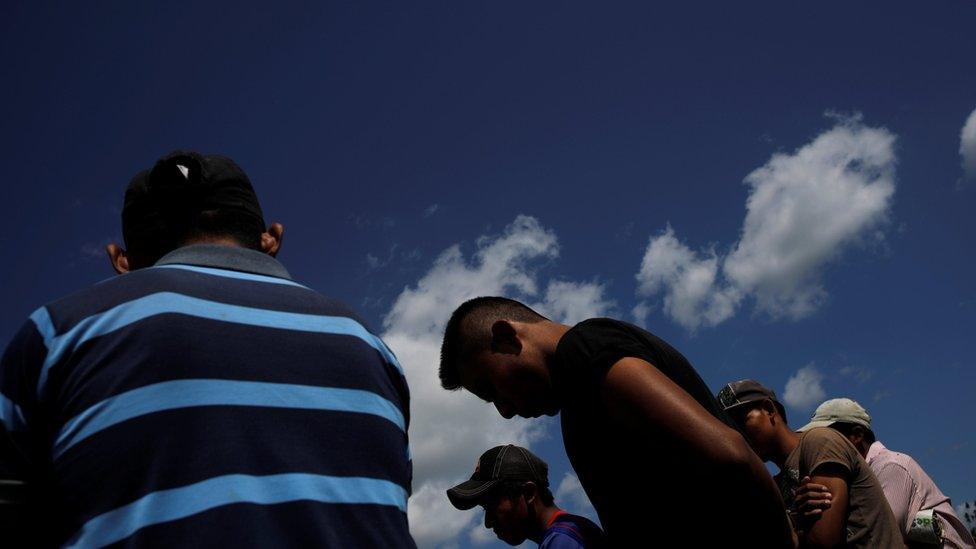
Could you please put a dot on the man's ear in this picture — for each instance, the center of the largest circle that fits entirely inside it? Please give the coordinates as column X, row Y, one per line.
column 504, row 338
column 271, row 239
column 769, row 408
column 118, row 258
column 530, row 491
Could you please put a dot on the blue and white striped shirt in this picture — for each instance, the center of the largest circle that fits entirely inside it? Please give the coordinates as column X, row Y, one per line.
column 208, row 400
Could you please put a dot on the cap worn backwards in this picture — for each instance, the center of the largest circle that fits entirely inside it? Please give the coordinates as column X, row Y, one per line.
column 742, row 392
column 181, row 185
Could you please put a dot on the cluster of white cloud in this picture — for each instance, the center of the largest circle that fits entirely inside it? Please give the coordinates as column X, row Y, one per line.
column 804, row 389
column 967, row 146
column 449, row 430
column 688, row 279
column 803, row 209
column 570, row 494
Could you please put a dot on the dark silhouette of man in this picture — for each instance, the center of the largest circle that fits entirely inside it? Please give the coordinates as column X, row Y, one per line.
column 204, row 398
column 643, row 432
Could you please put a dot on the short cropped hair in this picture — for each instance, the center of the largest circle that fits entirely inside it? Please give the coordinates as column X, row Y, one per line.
column 468, row 332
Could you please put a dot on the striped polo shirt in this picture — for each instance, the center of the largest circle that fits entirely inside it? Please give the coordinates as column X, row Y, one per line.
column 207, row 401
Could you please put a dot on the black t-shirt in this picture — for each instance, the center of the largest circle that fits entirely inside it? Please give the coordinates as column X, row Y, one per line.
column 643, row 491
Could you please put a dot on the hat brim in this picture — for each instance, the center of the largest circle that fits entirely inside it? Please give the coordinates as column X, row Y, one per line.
column 469, row 493
column 815, row 424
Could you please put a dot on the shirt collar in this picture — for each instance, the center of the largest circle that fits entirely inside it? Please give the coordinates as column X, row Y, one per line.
column 233, row 258
column 874, row 451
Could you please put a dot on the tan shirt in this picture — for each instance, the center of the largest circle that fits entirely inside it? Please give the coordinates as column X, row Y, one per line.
column 870, row 522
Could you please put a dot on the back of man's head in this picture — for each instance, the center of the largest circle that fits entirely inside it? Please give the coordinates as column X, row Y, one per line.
column 188, row 197
column 468, row 332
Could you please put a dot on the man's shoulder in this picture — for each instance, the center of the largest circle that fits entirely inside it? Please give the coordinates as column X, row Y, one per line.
column 602, row 325
column 173, row 289
column 822, row 445
column 822, row 435
column 572, row 531
column 589, row 337
column 891, row 458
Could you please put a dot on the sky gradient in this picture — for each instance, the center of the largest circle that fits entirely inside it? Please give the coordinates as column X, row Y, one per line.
column 783, row 192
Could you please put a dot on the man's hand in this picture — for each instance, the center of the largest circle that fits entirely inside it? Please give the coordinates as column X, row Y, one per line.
column 812, row 499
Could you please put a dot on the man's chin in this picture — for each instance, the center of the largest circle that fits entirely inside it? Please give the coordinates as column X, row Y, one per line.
column 511, row 541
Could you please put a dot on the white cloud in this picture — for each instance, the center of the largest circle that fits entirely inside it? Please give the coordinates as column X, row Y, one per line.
column 688, row 281
column 804, row 389
column 640, row 312
column 571, row 302
column 433, row 520
column 571, row 497
column 449, row 430
column 860, row 373
column 967, row 146
column 803, row 209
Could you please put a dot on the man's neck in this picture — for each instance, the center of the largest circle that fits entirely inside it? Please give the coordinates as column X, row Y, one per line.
column 548, row 335
column 786, row 441
column 216, row 240
column 544, row 517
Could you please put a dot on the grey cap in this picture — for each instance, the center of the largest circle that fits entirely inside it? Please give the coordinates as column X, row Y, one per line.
column 838, row 410
column 742, row 392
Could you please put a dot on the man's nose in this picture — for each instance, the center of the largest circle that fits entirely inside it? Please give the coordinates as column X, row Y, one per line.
column 505, row 409
column 489, row 522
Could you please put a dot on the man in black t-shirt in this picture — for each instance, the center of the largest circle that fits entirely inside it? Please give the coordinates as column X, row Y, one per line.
column 647, row 439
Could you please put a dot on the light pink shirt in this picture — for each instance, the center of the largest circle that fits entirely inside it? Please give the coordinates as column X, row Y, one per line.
column 910, row 490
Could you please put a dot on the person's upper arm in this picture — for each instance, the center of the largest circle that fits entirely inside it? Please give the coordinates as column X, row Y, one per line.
column 638, row 395
column 828, row 458
column 829, row 530
column 898, row 487
column 19, row 371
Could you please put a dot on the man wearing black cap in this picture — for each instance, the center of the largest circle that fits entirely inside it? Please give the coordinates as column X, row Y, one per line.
column 858, row 514
column 204, row 398
column 512, row 484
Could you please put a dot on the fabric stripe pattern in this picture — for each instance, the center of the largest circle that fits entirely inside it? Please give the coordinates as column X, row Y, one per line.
column 185, row 393
column 11, row 415
column 177, row 503
column 173, row 303
column 208, row 398
column 224, row 273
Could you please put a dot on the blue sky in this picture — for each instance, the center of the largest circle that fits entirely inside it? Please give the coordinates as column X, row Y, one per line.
column 778, row 188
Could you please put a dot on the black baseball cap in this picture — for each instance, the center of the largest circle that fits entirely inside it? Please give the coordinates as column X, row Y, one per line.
column 499, row 464
column 159, row 201
column 745, row 391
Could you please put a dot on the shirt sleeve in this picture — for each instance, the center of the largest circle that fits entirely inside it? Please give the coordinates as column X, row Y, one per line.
column 589, row 350
column 899, row 489
column 19, row 371
column 824, row 446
